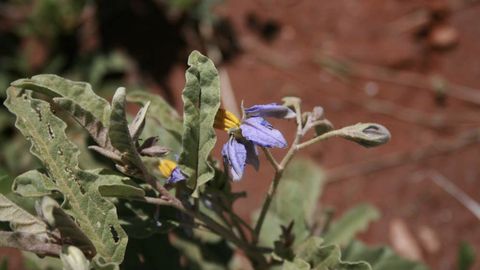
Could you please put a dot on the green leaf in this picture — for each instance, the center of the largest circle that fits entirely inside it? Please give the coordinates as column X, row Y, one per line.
column 355, row 220
column 160, row 111
column 70, row 233
column 271, row 229
column 110, row 184
column 80, row 92
column 138, row 123
column 296, row 199
column 73, row 259
column 325, row 257
column 96, row 217
column 201, row 99
column 297, row 264
column 119, row 133
column 33, row 184
column 298, row 193
column 466, row 256
column 380, row 258
column 28, row 232
column 20, row 220
column 86, row 119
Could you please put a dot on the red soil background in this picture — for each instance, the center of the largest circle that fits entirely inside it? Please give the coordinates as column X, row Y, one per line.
column 429, row 39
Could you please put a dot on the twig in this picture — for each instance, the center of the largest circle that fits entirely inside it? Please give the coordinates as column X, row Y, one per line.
column 403, row 78
column 30, row 242
column 456, row 192
column 441, row 147
column 271, row 158
column 322, row 137
column 279, row 172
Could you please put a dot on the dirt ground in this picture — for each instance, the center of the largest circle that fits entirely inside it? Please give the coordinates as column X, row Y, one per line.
column 410, row 62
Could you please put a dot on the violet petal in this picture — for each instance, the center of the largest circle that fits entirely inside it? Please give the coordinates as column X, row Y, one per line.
column 270, row 110
column 260, row 132
column 235, row 154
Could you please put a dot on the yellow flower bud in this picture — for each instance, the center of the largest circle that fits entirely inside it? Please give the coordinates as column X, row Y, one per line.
column 166, row 167
column 225, row 120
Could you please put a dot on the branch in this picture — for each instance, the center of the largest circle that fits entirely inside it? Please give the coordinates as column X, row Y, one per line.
column 30, row 242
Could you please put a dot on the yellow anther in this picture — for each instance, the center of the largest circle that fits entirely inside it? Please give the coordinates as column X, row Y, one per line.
column 225, row 120
column 166, row 167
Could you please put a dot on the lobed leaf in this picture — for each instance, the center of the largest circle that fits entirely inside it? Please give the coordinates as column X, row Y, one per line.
column 201, row 99
column 296, row 200
column 119, row 132
column 80, row 92
column 325, row 257
column 33, row 184
column 95, row 216
column 380, row 258
column 70, row 233
column 87, row 120
column 297, row 264
column 160, row 111
column 20, row 220
column 342, row 231
column 114, row 185
column 73, row 259
column 138, row 123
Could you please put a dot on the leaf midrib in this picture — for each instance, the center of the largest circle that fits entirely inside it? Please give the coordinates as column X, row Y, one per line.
column 73, row 200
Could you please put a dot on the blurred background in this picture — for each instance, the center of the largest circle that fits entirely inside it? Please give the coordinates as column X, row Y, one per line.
column 411, row 65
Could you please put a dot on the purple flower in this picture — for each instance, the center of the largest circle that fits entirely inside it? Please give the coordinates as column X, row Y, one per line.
column 270, row 110
column 240, row 149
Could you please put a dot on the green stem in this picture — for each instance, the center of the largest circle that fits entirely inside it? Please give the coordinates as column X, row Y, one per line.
column 279, row 168
column 322, row 137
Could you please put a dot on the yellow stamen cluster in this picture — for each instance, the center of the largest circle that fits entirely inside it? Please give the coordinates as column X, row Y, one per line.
column 166, row 167
column 225, row 120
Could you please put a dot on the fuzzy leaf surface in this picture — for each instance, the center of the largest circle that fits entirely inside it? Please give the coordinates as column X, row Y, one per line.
column 86, row 119
column 354, row 221
column 19, row 219
column 160, row 111
column 119, row 132
column 201, row 99
column 33, row 184
column 69, row 231
column 81, row 92
column 326, row 257
column 96, row 217
column 380, row 258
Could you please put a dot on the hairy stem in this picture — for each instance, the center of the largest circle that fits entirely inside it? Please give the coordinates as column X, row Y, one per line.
column 322, row 137
column 279, row 168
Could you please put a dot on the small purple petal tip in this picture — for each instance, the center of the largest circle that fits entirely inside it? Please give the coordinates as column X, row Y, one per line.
column 270, row 110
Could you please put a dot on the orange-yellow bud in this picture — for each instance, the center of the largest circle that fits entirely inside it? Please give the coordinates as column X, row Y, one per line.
column 225, row 120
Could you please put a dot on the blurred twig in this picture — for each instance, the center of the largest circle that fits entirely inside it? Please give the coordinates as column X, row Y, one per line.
column 436, row 148
column 456, row 192
column 440, row 86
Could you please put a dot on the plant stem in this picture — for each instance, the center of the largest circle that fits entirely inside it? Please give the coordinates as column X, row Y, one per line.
column 322, row 137
column 250, row 251
column 266, row 205
column 271, row 158
column 279, row 168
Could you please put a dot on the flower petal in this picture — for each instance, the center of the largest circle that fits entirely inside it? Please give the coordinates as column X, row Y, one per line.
column 270, row 110
column 260, row 132
column 235, row 154
column 176, row 176
column 252, row 154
